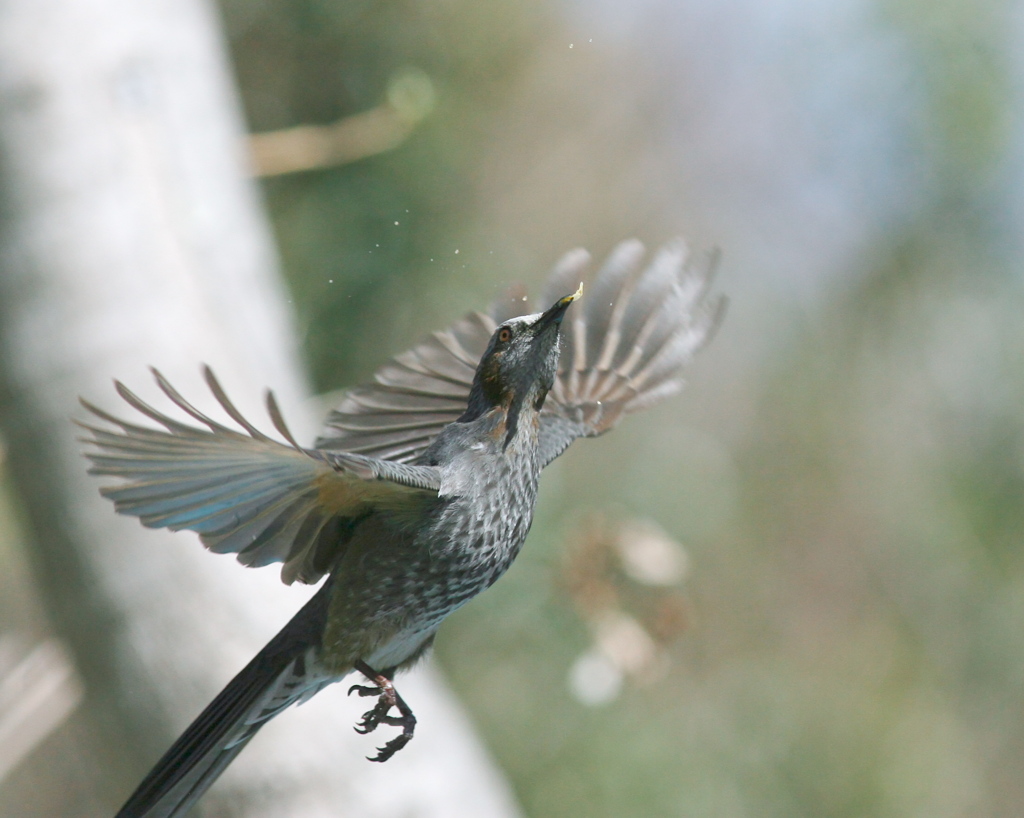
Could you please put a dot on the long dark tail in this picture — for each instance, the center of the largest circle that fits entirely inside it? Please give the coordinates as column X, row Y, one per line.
column 277, row 677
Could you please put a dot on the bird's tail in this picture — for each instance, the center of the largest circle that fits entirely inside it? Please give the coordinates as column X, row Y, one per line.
column 280, row 675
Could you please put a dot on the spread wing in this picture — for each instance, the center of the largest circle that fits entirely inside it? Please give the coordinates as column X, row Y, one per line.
column 246, row 493
column 412, row 397
column 627, row 345
column 624, row 347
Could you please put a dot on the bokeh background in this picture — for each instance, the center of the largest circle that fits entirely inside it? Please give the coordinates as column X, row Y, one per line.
column 840, row 633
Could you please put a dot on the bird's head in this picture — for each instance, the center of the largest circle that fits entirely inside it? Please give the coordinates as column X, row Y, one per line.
column 518, row 368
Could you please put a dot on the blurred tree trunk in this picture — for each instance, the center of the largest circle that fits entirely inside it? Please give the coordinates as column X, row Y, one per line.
column 130, row 235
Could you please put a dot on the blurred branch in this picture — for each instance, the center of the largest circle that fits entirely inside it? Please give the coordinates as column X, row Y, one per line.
column 410, row 99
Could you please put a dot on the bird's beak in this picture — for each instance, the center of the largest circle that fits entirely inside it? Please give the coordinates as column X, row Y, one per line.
column 557, row 310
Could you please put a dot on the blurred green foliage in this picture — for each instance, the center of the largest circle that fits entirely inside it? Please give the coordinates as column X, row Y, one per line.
column 369, row 247
column 858, row 586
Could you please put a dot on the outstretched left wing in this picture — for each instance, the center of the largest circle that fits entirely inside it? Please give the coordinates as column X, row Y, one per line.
column 246, row 493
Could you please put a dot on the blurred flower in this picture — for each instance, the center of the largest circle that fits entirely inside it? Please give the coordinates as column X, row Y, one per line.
column 623, row 578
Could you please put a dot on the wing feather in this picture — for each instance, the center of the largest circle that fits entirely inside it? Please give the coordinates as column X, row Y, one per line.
column 244, row 493
column 627, row 349
column 413, row 396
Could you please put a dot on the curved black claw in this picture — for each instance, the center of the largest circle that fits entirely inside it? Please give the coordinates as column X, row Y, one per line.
column 392, row 747
column 365, row 690
column 372, row 719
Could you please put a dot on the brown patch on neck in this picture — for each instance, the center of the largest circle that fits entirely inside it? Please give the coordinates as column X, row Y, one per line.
column 501, row 425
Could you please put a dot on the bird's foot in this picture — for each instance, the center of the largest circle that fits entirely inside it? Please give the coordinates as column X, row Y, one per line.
column 384, row 689
column 388, row 698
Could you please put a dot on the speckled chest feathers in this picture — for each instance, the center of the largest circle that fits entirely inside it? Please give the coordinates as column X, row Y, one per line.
column 407, row 569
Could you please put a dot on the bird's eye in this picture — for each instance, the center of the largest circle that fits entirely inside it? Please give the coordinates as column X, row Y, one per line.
column 504, row 335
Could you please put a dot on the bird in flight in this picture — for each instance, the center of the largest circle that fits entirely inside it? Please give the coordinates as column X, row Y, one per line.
column 417, row 496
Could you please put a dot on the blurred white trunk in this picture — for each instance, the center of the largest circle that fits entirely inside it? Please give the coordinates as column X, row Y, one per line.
column 131, row 236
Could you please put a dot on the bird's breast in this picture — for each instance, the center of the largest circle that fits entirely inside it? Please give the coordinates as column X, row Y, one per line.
column 398, row 581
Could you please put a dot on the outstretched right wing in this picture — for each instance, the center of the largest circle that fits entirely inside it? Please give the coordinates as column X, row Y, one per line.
column 246, row 493
column 624, row 348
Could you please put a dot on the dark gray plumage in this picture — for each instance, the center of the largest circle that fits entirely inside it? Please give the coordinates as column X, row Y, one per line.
column 418, row 495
